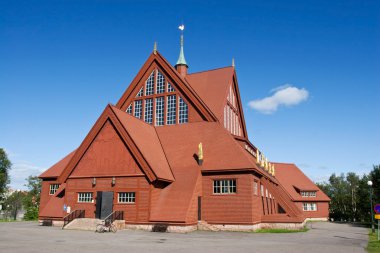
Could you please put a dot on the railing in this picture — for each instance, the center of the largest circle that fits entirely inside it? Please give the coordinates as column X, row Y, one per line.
column 72, row 216
column 116, row 215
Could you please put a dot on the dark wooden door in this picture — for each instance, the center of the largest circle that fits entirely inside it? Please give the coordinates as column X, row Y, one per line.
column 104, row 204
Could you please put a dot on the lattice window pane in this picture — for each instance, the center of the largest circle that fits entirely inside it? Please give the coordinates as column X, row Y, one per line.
column 170, row 88
column 126, row 197
column 171, row 111
column 160, row 105
column 148, row 115
column 224, row 186
column 138, row 108
column 129, row 109
column 160, row 83
column 140, row 93
column 84, row 196
column 53, row 189
column 149, row 86
column 183, row 111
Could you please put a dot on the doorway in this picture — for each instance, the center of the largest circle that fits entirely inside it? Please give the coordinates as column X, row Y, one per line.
column 104, row 204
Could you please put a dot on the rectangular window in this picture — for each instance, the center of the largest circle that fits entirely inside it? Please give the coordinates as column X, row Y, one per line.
column 85, row 197
column 149, row 86
column 126, row 197
column 171, row 111
column 138, row 108
column 148, row 115
column 262, row 190
column 160, row 111
column 308, row 193
column 255, row 187
column 53, row 188
column 225, row 186
column 160, row 83
column 183, row 111
column 309, row 206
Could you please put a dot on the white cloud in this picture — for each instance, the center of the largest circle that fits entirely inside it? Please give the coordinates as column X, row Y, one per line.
column 286, row 95
column 20, row 171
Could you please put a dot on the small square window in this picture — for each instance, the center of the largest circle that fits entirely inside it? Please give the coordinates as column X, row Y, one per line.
column 53, row 189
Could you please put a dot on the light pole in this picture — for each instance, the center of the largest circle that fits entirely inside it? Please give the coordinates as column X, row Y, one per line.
column 370, row 196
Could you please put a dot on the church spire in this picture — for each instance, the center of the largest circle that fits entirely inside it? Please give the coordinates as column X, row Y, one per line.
column 181, row 65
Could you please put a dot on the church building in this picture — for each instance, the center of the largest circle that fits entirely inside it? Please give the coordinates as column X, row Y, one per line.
column 174, row 150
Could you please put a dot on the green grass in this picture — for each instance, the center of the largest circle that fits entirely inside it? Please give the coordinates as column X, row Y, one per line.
column 373, row 244
column 281, row 230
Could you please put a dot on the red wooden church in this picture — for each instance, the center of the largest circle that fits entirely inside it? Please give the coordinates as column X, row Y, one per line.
column 175, row 150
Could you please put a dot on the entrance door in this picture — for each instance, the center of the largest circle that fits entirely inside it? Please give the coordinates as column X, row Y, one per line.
column 104, row 204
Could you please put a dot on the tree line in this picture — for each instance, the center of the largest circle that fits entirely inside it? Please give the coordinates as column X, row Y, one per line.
column 350, row 195
column 13, row 201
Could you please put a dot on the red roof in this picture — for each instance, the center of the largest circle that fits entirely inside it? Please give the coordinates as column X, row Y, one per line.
column 56, row 169
column 291, row 178
column 212, row 86
column 148, row 143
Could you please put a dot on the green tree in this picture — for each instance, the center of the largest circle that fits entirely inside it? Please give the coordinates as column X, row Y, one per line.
column 5, row 166
column 31, row 200
column 13, row 203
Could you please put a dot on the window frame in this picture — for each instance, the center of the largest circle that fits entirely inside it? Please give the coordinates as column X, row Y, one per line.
column 53, row 188
column 126, row 197
column 88, row 198
column 223, row 186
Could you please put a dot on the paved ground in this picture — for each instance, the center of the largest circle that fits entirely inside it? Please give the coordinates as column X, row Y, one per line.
column 323, row 237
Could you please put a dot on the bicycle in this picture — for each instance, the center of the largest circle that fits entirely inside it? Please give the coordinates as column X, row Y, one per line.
column 106, row 227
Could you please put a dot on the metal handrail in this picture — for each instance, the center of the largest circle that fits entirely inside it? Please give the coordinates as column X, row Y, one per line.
column 116, row 215
column 72, row 216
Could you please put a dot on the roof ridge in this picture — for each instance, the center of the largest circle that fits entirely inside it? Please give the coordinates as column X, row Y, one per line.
column 199, row 72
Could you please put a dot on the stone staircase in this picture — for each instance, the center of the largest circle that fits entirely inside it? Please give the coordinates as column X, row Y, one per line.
column 90, row 224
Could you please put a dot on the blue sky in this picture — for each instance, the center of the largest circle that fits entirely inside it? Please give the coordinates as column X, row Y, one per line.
column 62, row 62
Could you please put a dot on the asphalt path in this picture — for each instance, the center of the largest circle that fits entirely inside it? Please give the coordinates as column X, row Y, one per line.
column 322, row 237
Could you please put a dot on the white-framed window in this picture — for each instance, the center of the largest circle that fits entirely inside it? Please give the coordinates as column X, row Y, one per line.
column 225, row 186
column 171, row 110
column 148, row 114
column 160, row 106
column 255, row 187
column 262, row 190
column 149, row 86
column 140, row 93
column 53, row 188
column 308, row 193
column 170, row 88
column 266, row 193
column 138, row 108
column 126, row 197
column 85, row 197
column 160, row 83
column 183, row 113
column 309, row 206
column 129, row 109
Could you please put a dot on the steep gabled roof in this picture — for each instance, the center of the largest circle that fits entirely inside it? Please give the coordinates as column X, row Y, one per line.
column 213, row 86
column 182, row 85
column 56, row 170
column 291, row 177
column 152, row 160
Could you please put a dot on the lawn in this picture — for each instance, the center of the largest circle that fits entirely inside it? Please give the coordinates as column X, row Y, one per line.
column 373, row 243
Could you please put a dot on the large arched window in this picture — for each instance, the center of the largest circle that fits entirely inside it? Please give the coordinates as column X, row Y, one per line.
column 158, row 103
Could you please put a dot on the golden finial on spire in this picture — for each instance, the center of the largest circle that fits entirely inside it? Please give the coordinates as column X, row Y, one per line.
column 266, row 164
column 155, row 47
column 273, row 170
